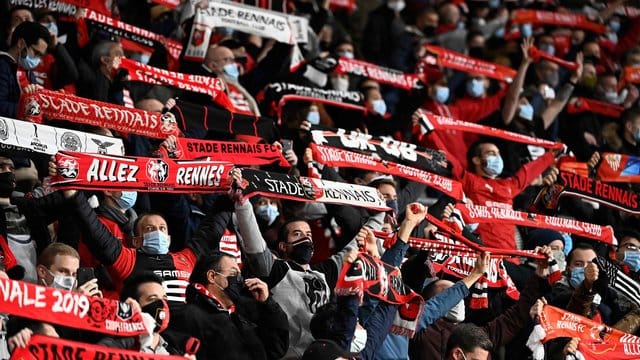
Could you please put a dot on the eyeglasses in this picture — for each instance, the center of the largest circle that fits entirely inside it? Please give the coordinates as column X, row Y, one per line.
column 630, row 247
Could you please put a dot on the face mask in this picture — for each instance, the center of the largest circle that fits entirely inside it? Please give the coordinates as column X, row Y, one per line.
column 379, row 106
column 396, row 6
column 456, row 313
column 526, row 111
column 62, row 282
column 493, row 165
column 155, row 243
column 267, row 213
column 632, row 259
column 302, row 251
column 29, row 62
column 613, row 37
column 493, row 4
column 313, row 117
column 226, row 31
column 340, row 84
column 499, row 33
column 475, row 88
column 526, row 30
column 429, row 30
column 359, row 340
column 393, row 204
column 442, row 94
column 615, row 26
column 159, row 310
column 231, row 70
column 347, row 54
column 611, row 96
column 127, row 199
column 52, row 27
column 548, row 48
column 234, row 287
column 552, row 79
column 568, row 243
column 577, row 277
column 7, row 183
column 460, row 25
column 144, row 58
column 636, row 135
column 560, row 259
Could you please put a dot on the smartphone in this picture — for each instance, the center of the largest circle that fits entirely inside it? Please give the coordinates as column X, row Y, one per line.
column 84, row 275
column 287, row 145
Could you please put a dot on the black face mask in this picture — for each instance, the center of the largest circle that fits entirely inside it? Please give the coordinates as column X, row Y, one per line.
column 429, row 31
column 302, row 252
column 234, row 287
column 7, row 184
column 159, row 309
column 476, row 52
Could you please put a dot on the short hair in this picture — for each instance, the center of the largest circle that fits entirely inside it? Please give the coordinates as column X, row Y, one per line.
column 101, row 49
column 283, row 232
column 323, row 321
column 50, row 252
column 131, row 286
column 143, row 215
column 630, row 115
column 579, row 246
column 204, row 264
column 468, row 337
column 474, row 149
column 30, row 32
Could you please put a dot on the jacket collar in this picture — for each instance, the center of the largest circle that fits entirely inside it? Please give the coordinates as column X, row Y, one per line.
column 197, row 294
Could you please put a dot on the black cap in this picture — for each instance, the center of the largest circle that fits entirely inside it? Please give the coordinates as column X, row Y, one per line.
column 326, row 350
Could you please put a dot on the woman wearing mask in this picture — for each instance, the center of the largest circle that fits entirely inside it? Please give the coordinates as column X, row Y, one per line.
column 268, row 215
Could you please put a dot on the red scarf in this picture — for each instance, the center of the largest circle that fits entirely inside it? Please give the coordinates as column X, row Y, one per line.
column 54, row 105
column 171, row 4
column 612, row 167
column 599, row 107
column 453, row 60
column 207, row 85
column 45, row 347
column 342, row 158
column 570, row 20
column 68, row 308
column 380, row 74
column 106, row 172
column 495, row 215
column 432, row 122
column 538, row 54
column 349, row 5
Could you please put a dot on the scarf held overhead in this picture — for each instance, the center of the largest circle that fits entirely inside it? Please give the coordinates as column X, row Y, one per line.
column 55, row 105
column 64, row 7
column 70, row 309
column 104, row 172
column 453, row 60
column 378, row 73
column 538, row 17
column 301, row 188
column 581, row 104
column 276, row 91
column 342, row 158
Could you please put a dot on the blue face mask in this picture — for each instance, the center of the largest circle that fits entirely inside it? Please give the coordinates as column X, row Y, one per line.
column 548, row 48
column 568, row 243
column 127, row 199
column 52, row 27
column 231, row 70
column 313, row 117
column 632, row 259
column 379, row 106
column 267, row 213
column 393, row 204
column 493, row 4
column 475, row 88
column 499, row 33
column 636, row 135
column 577, row 277
column 526, row 30
column 29, row 62
column 615, row 26
column 494, row 165
column 442, row 94
column 155, row 243
column 526, row 111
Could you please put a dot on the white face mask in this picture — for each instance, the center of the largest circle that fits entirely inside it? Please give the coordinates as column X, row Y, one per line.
column 62, row 282
column 396, row 6
column 456, row 313
column 359, row 340
column 340, row 84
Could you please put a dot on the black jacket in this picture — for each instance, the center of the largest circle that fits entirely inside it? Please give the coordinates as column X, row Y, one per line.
column 255, row 331
column 9, row 87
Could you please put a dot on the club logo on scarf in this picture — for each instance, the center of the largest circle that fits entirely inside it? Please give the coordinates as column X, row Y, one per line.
column 68, row 168
column 307, row 188
column 169, row 123
column 613, row 160
column 32, row 108
column 4, row 130
column 157, row 170
column 70, row 141
column 198, row 37
column 102, row 145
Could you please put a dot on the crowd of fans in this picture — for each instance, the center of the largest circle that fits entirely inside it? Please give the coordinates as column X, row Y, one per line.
column 269, row 293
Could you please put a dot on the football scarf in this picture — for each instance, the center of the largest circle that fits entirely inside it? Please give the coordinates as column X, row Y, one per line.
column 581, row 104
column 496, row 215
column 240, row 153
column 587, row 188
column 68, row 308
column 207, row 85
column 385, row 148
column 300, row 188
column 104, row 172
column 145, row 38
column 64, row 7
column 597, row 340
column 349, row 5
column 611, row 168
column 342, row 158
column 432, row 122
column 384, row 282
column 26, row 137
column 570, row 20
column 617, row 279
column 378, row 73
column 537, row 54
column 45, row 347
column 55, row 105
column 283, row 28
column 277, row 93
column 457, row 61
column 193, row 117
column 171, row 4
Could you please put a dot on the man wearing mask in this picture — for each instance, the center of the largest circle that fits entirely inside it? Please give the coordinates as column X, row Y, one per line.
column 229, row 323
column 29, row 43
column 300, row 288
column 628, row 252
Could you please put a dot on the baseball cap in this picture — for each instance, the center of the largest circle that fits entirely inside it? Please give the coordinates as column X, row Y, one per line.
column 326, row 350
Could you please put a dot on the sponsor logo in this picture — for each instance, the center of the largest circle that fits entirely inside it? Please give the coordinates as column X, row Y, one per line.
column 70, row 141
column 102, row 145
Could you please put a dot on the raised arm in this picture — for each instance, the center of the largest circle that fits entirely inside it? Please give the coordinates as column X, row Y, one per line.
column 551, row 112
column 511, row 100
